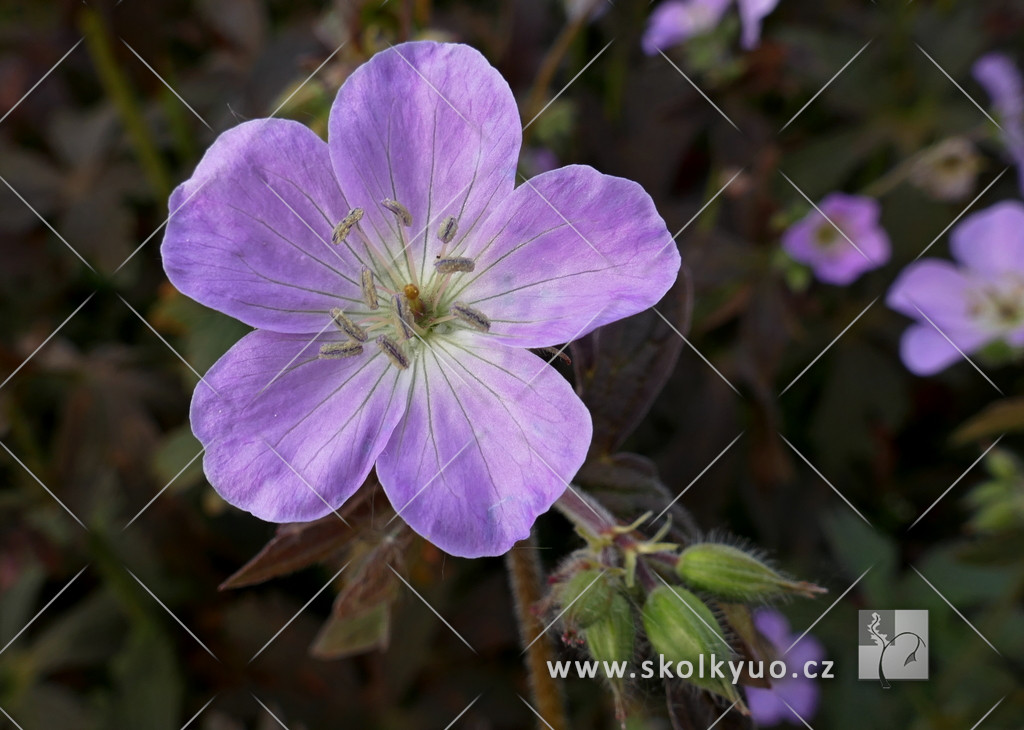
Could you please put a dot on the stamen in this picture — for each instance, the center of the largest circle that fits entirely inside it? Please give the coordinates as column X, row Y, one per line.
column 338, row 350
column 453, row 265
column 449, row 226
column 369, row 289
column 405, row 316
column 341, row 230
column 403, row 214
column 473, row 317
column 394, row 352
column 347, row 326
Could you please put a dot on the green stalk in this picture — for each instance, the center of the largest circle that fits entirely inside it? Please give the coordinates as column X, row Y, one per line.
column 98, row 41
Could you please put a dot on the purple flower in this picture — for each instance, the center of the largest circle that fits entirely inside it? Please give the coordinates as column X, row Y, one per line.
column 1002, row 80
column 970, row 305
column 676, row 21
column 840, row 242
column 395, row 277
column 768, row 706
column 752, row 12
column 535, row 160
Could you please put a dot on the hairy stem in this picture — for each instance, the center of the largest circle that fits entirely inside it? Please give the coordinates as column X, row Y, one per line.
column 585, row 512
column 525, row 578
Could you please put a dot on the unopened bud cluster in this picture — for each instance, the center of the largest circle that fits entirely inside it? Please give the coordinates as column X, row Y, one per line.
column 607, row 609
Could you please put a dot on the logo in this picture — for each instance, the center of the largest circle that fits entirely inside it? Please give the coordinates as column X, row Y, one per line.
column 893, row 645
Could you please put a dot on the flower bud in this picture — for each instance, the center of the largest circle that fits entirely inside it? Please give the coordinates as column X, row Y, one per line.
column 610, row 638
column 684, row 630
column 681, row 626
column 730, row 573
column 586, row 597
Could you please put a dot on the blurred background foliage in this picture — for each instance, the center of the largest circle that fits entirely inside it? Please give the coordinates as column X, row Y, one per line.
column 117, row 621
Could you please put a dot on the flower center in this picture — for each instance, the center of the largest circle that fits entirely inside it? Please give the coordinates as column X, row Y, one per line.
column 826, row 236
column 1000, row 306
column 402, row 310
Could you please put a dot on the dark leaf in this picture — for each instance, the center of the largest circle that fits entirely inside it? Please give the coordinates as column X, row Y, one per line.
column 629, row 485
column 344, row 636
column 371, row 579
column 912, row 657
column 621, row 367
column 294, row 547
column 299, row 545
column 361, row 618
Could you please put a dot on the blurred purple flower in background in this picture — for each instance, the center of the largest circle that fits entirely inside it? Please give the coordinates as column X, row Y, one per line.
column 970, row 305
column 676, row 21
column 840, row 242
column 752, row 12
column 1002, row 80
column 535, row 160
column 768, row 706
column 395, row 277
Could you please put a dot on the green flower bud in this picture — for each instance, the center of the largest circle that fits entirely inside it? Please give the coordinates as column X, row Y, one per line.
column 684, row 630
column 681, row 626
column 610, row 638
column 1002, row 465
column 587, row 597
column 730, row 573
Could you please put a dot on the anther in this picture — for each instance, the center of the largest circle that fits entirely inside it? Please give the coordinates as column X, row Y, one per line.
column 341, row 230
column 403, row 214
column 473, row 317
column 369, row 289
column 405, row 315
column 394, row 352
column 453, row 265
column 338, row 350
column 449, row 226
column 347, row 326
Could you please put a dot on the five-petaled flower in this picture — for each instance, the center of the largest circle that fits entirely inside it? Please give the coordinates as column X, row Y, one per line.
column 676, row 21
column 395, row 276
column 960, row 309
column 840, row 240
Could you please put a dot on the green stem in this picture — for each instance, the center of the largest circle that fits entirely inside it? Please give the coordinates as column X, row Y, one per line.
column 535, row 101
column 98, row 41
column 525, row 578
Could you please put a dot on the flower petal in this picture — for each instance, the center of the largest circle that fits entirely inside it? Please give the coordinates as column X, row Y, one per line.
column 250, row 231
column 925, row 351
column 489, row 444
column 675, row 21
column 752, row 12
column 991, row 242
column 289, row 436
column 567, row 252
column 433, row 126
column 937, row 288
column 765, row 706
